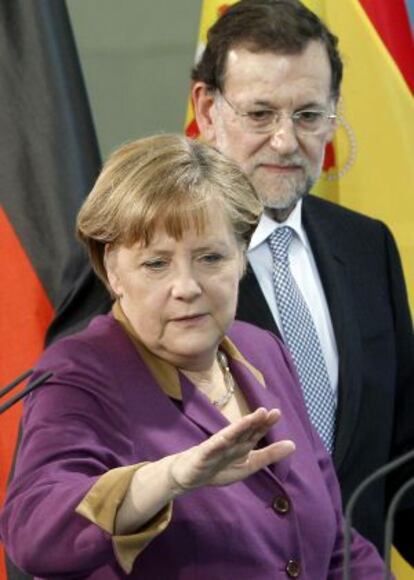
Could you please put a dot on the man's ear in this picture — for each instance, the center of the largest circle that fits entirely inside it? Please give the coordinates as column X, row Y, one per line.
column 203, row 102
column 110, row 263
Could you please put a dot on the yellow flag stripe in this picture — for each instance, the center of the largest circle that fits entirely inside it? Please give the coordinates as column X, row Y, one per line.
column 375, row 140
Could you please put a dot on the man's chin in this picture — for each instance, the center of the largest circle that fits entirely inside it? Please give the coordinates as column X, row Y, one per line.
column 285, row 200
column 281, row 207
column 282, row 203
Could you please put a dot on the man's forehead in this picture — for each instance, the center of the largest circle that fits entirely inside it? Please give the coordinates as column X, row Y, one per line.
column 242, row 59
column 307, row 71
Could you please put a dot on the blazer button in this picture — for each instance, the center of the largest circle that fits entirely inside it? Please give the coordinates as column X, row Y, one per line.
column 281, row 505
column 293, row 569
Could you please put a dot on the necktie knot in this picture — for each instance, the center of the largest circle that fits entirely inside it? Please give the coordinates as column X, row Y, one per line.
column 279, row 242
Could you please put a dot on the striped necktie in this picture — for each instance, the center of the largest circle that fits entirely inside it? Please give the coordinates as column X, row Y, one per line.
column 302, row 339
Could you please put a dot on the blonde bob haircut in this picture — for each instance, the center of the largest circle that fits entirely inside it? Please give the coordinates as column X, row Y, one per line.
column 166, row 181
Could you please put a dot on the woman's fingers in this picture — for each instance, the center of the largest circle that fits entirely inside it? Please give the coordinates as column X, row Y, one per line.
column 250, row 462
column 232, row 444
column 261, row 424
column 245, row 429
column 229, row 455
column 259, row 458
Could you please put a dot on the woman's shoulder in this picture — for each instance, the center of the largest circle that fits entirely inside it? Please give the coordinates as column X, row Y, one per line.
column 86, row 366
column 243, row 333
column 259, row 346
column 103, row 341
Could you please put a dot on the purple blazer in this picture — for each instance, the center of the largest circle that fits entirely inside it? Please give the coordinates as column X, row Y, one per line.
column 103, row 409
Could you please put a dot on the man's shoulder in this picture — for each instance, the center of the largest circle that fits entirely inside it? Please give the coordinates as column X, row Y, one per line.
column 313, row 205
column 342, row 227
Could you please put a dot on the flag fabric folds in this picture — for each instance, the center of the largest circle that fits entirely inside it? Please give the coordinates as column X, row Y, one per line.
column 368, row 166
column 373, row 171
column 49, row 160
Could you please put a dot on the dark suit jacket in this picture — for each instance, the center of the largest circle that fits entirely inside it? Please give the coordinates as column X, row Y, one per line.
column 361, row 273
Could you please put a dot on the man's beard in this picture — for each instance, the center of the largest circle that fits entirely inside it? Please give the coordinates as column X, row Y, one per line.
column 281, row 197
column 288, row 200
column 285, row 197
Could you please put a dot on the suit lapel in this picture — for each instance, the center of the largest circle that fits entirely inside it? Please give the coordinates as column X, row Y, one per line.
column 252, row 305
column 324, row 236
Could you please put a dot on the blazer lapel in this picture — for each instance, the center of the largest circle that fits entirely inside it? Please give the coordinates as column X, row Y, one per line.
column 201, row 412
column 257, row 396
column 323, row 237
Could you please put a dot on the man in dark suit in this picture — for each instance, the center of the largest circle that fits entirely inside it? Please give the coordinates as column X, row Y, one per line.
column 265, row 94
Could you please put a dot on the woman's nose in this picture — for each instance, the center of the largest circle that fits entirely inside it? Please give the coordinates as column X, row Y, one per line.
column 185, row 285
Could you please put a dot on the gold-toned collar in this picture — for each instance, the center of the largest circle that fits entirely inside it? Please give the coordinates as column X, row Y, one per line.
column 164, row 372
column 233, row 353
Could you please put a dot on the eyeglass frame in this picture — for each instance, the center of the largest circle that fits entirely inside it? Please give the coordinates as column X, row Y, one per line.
column 277, row 117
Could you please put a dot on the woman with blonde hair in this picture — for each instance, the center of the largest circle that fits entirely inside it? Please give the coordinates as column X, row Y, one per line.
column 172, row 442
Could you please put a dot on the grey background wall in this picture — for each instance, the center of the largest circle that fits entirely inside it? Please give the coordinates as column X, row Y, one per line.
column 136, row 56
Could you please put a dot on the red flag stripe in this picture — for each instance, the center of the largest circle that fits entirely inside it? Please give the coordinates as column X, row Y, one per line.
column 25, row 313
column 390, row 19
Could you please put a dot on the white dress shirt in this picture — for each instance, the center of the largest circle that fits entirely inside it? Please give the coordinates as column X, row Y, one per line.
column 306, row 275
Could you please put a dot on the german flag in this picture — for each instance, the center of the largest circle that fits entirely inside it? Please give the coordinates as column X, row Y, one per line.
column 48, row 161
column 369, row 165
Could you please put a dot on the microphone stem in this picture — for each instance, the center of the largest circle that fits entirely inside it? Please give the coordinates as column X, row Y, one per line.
column 380, row 472
column 16, row 381
column 39, row 381
column 389, row 524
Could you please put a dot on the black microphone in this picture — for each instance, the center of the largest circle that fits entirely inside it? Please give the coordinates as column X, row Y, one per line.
column 30, row 387
column 377, row 474
column 389, row 522
column 14, row 383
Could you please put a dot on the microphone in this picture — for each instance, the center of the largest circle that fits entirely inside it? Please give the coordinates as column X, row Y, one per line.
column 14, row 383
column 30, row 387
column 389, row 522
column 377, row 474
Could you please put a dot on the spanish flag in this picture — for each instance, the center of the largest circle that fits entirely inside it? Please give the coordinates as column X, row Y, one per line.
column 369, row 165
column 49, row 160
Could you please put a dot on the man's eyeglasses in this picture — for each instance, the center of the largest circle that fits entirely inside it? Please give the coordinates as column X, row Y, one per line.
column 266, row 120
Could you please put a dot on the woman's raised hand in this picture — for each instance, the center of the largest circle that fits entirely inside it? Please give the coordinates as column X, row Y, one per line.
column 229, row 455
column 226, row 457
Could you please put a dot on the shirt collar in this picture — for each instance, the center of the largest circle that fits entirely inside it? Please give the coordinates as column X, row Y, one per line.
column 267, row 225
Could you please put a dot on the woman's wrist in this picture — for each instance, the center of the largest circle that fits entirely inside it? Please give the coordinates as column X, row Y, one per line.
column 177, row 488
column 152, row 488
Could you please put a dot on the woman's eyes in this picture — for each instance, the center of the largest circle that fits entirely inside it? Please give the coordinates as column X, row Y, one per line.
column 158, row 265
column 155, row 265
column 212, row 258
